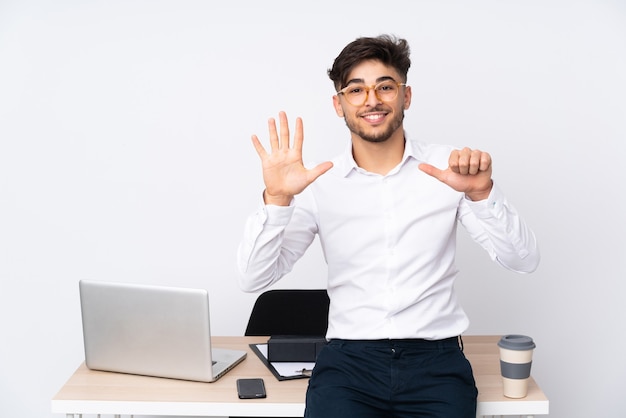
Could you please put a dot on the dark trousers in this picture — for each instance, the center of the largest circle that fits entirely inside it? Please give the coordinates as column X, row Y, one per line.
column 392, row 379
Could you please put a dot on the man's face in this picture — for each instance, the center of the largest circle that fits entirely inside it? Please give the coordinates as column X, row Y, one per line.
column 375, row 120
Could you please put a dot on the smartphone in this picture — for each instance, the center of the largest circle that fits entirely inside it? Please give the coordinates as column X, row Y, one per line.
column 251, row 388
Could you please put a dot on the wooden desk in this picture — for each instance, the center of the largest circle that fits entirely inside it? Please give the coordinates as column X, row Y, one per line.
column 94, row 392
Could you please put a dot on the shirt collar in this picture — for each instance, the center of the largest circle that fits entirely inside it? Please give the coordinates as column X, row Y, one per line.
column 345, row 163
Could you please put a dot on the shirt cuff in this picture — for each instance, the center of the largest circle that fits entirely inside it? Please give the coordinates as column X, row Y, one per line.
column 276, row 215
column 489, row 207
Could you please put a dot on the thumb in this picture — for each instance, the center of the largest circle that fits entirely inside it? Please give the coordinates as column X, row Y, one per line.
column 431, row 170
column 320, row 169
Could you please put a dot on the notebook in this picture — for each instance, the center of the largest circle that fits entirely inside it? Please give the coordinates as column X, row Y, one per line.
column 151, row 330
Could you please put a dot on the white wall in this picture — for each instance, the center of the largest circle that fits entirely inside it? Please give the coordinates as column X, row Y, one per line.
column 125, row 155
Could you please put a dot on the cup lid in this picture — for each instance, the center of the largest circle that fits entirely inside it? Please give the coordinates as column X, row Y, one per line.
column 516, row 342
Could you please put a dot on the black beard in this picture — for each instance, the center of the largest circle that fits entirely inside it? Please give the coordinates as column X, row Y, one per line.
column 382, row 136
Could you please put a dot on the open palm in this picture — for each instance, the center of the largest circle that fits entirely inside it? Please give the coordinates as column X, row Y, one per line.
column 284, row 173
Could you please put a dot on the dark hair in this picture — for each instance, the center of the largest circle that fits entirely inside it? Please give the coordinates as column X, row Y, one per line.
column 387, row 49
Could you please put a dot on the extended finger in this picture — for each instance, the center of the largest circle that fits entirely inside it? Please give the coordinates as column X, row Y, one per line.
column 258, row 146
column 271, row 124
column 432, row 171
column 298, row 138
column 284, row 130
column 320, row 169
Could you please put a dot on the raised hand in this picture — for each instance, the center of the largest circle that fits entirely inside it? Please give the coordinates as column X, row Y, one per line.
column 284, row 173
column 469, row 171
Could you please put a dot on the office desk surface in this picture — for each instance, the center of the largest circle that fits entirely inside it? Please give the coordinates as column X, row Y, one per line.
column 93, row 392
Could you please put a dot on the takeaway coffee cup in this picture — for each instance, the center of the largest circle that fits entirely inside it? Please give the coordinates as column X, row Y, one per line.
column 516, row 353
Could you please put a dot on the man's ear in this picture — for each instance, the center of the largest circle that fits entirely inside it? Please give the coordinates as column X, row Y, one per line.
column 337, row 105
column 407, row 97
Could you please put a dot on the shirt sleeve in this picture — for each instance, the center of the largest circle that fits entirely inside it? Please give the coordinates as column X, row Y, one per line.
column 275, row 237
column 496, row 225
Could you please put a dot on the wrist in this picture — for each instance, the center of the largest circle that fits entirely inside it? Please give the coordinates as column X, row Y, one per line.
column 279, row 200
column 475, row 196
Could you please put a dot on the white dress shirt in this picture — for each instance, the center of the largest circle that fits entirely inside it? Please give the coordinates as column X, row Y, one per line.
column 389, row 243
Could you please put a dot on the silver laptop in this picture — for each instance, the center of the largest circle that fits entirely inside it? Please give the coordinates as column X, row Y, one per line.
column 151, row 330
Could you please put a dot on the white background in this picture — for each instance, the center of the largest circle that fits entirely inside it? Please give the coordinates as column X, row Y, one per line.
column 125, row 155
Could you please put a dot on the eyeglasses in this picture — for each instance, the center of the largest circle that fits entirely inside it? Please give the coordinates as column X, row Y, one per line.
column 357, row 94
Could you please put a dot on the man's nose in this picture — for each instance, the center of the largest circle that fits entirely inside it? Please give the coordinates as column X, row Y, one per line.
column 372, row 99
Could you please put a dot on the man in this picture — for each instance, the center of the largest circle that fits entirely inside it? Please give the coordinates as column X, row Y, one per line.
column 386, row 212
